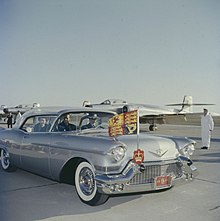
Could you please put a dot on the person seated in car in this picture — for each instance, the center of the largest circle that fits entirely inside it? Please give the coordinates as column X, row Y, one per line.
column 42, row 126
column 92, row 123
column 65, row 125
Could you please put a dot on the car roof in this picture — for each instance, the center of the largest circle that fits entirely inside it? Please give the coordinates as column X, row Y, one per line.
column 58, row 110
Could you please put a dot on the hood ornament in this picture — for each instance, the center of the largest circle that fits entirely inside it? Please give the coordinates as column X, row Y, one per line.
column 158, row 152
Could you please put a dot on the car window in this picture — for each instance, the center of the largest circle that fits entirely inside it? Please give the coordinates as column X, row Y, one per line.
column 28, row 125
column 79, row 120
column 95, row 120
column 67, row 122
column 38, row 124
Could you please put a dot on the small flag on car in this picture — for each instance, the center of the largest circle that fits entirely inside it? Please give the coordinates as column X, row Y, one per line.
column 124, row 124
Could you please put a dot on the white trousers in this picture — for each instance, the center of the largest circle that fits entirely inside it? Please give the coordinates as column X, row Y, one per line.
column 206, row 136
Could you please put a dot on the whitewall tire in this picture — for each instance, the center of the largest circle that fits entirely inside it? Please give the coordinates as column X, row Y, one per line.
column 86, row 186
column 5, row 161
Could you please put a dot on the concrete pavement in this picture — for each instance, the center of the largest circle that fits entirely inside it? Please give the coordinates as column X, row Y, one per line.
column 27, row 197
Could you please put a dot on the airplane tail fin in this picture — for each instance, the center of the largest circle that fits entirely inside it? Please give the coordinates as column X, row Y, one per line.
column 187, row 104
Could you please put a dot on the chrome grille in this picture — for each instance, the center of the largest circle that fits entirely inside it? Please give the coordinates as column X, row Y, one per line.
column 152, row 171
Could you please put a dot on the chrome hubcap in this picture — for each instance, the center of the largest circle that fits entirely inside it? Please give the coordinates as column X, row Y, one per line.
column 86, row 181
column 4, row 159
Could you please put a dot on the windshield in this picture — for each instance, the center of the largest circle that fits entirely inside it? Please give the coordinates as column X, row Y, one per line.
column 79, row 121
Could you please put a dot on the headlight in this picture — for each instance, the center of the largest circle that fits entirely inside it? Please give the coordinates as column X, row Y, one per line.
column 118, row 153
column 188, row 150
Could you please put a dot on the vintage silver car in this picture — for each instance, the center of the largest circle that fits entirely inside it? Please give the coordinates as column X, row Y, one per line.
column 72, row 145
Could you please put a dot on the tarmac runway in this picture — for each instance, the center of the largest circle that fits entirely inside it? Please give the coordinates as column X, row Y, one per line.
column 27, row 197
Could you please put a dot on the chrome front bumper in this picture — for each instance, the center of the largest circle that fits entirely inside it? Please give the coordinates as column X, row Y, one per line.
column 135, row 178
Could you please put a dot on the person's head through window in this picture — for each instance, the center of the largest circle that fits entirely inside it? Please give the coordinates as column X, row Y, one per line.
column 42, row 122
column 92, row 121
column 66, row 119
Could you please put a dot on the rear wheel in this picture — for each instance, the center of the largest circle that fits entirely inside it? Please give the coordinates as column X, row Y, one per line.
column 5, row 161
column 86, row 186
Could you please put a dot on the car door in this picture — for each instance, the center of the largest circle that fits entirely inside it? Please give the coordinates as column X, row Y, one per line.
column 35, row 149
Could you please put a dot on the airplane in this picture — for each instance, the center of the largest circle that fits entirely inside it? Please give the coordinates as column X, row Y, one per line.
column 153, row 114
column 4, row 110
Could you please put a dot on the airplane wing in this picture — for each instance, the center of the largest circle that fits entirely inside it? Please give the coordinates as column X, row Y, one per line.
column 22, row 108
column 153, row 114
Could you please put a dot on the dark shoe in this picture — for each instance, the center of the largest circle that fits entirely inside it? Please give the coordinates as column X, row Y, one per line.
column 204, row 148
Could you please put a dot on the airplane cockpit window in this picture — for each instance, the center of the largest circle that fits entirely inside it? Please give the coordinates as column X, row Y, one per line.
column 106, row 102
column 113, row 101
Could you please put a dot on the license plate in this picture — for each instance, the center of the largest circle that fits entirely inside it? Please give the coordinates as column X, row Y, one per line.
column 162, row 181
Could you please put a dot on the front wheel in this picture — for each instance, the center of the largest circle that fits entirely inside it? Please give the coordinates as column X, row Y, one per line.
column 5, row 162
column 86, row 186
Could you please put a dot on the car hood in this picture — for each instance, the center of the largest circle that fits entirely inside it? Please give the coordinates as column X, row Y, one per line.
column 155, row 148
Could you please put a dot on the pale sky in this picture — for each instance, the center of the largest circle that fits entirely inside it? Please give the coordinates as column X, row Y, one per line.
column 62, row 52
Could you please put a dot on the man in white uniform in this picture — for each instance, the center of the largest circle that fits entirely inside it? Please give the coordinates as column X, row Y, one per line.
column 207, row 125
column 18, row 116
